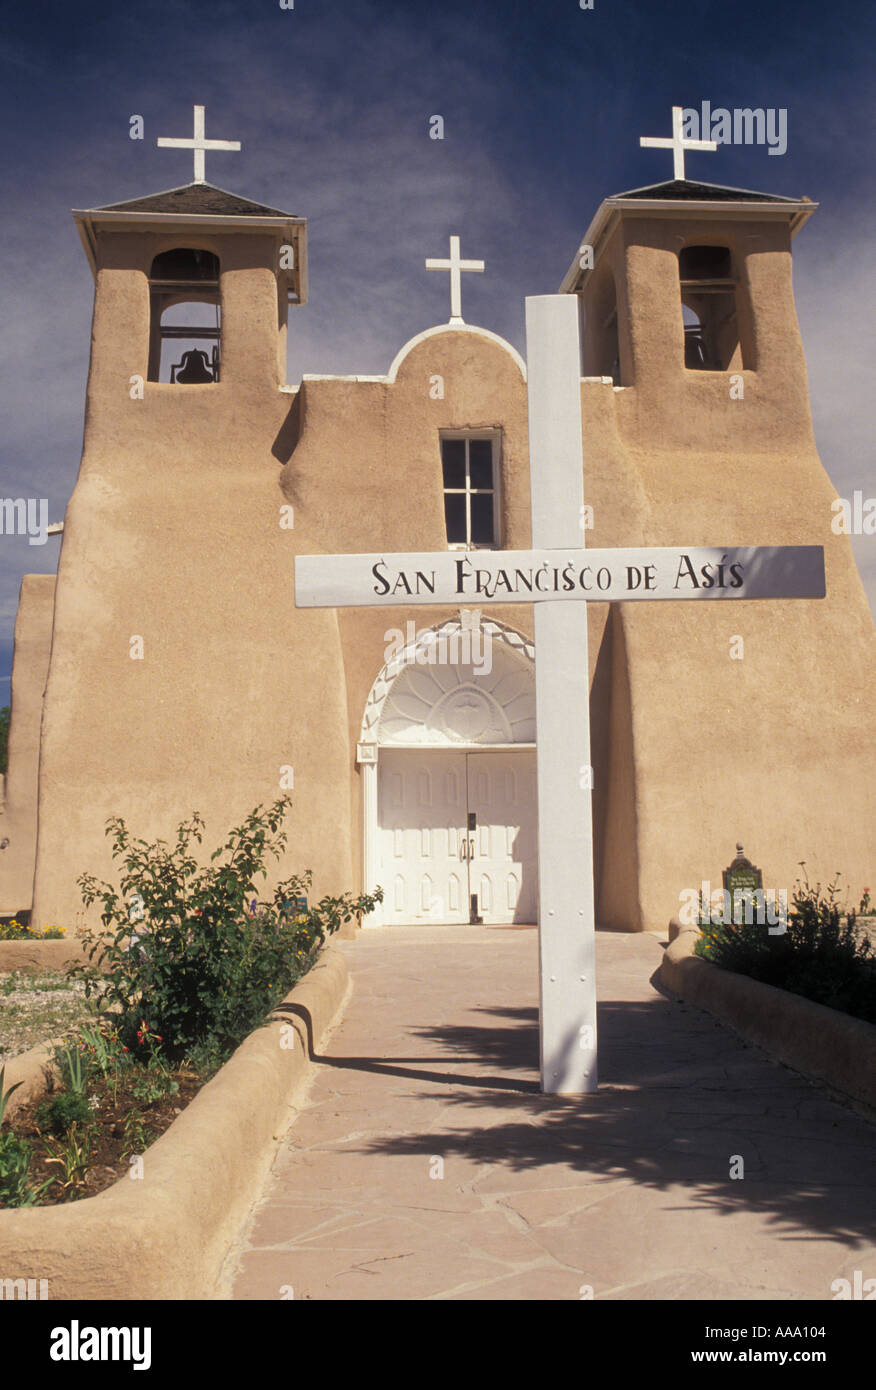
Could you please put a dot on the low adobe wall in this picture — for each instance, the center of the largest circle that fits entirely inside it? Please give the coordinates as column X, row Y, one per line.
column 28, row 1071
column 168, row 1234
column 55, row 954
column 822, row 1043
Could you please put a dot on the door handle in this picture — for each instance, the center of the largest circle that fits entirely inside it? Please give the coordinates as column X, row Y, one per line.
column 463, row 847
column 471, row 849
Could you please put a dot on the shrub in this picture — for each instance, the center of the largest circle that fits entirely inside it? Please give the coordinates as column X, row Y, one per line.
column 202, row 966
column 821, row 955
column 16, row 1189
column 63, row 1111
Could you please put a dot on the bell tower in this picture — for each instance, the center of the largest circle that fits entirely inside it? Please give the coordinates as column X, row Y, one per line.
column 697, row 428
column 686, row 296
column 192, row 288
column 172, row 610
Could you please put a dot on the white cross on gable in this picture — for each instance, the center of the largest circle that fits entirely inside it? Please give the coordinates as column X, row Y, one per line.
column 199, row 143
column 678, row 143
column 555, row 578
column 455, row 265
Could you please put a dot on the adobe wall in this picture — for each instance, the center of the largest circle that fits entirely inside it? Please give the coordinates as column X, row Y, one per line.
column 388, row 494
column 30, row 664
column 173, row 534
column 776, row 749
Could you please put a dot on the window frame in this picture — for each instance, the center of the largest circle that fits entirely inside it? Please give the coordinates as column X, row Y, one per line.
column 494, row 435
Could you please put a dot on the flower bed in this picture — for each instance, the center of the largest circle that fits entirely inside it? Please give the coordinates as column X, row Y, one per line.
column 821, row 953
column 103, row 1108
column 168, row 1234
column 26, row 948
column 13, row 930
column 187, row 966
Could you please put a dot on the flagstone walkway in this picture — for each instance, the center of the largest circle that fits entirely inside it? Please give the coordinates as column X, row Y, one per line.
column 425, row 1164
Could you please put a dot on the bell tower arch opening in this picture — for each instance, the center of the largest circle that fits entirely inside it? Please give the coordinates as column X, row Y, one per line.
column 185, row 317
column 710, row 312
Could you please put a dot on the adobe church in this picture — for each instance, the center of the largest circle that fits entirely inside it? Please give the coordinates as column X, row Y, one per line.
column 166, row 669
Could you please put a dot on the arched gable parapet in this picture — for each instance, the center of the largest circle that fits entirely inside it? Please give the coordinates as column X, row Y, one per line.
column 454, row 328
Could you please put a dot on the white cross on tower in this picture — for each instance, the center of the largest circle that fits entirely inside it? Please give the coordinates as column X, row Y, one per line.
column 678, row 144
column 455, row 266
column 199, row 143
column 559, row 577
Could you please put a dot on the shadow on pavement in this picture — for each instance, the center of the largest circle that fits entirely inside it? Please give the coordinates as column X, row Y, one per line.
column 679, row 1097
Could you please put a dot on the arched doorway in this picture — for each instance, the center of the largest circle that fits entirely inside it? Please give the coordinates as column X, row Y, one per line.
column 447, row 756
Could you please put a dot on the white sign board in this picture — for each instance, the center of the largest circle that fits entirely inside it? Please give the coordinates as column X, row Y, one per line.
column 538, row 576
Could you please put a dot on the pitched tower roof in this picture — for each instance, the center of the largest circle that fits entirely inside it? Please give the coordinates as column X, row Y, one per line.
column 197, row 200
column 685, row 198
column 196, row 206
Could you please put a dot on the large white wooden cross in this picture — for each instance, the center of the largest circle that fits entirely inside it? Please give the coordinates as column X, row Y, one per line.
column 199, row 143
column 677, row 143
column 558, row 576
column 455, row 265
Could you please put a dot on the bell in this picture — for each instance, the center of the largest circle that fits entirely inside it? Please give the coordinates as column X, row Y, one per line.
column 194, row 369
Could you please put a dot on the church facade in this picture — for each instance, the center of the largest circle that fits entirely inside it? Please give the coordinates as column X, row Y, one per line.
column 166, row 669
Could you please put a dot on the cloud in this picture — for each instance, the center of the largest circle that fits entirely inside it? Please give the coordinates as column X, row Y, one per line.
column 543, row 107
column 834, row 279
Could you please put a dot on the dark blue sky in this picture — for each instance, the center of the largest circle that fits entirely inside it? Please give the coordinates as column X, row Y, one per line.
column 543, row 106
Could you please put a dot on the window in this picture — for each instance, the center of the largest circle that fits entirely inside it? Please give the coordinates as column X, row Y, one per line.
column 708, row 307
column 185, row 317
column 469, row 464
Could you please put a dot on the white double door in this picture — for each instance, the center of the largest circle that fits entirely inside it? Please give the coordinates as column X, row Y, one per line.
column 457, row 836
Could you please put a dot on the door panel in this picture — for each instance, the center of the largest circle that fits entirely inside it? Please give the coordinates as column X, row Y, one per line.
column 504, row 868
column 421, row 824
column 430, row 862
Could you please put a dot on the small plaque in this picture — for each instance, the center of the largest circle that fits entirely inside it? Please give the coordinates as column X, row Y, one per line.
column 741, row 880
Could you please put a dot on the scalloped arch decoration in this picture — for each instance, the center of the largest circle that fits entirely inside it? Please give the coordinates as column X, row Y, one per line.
column 483, row 694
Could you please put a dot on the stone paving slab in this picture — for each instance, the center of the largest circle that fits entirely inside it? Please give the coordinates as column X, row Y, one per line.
column 425, row 1164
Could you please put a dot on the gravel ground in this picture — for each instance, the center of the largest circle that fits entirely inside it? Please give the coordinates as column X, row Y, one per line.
column 867, row 927
column 35, row 1007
